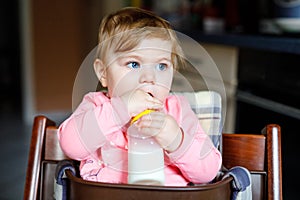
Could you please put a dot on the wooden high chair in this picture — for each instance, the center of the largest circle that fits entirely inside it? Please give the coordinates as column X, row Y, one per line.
column 259, row 153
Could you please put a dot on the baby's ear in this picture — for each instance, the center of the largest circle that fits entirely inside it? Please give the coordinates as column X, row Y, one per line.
column 100, row 71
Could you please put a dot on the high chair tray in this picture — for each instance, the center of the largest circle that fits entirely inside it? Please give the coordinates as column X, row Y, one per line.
column 82, row 189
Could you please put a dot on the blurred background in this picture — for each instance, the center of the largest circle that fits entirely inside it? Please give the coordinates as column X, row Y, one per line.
column 255, row 45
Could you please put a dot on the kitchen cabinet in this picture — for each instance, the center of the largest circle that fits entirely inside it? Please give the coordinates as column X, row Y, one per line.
column 273, row 43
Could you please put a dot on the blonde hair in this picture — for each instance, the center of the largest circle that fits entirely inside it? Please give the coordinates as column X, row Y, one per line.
column 123, row 30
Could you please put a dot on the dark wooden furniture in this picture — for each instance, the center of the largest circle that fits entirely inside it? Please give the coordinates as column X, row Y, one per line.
column 44, row 154
column 261, row 154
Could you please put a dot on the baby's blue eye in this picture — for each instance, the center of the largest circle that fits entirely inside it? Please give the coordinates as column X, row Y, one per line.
column 161, row 67
column 133, row 65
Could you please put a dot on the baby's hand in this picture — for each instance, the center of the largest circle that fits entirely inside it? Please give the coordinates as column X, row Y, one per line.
column 138, row 101
column 163, row 127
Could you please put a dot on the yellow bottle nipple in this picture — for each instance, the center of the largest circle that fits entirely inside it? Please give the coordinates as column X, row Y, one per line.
column 138, row 116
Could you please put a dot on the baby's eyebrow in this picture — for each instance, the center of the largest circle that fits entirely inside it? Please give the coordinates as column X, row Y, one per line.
column 141, row 58
column 164, row 59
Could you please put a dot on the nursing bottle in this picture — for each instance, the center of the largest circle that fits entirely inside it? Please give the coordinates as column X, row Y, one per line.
column 145, row 157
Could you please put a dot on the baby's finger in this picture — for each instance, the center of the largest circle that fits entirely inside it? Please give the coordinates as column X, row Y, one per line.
column 154, row 106
column 156, row 115
column 152, row 121
column 149, row 131
column 148, row 122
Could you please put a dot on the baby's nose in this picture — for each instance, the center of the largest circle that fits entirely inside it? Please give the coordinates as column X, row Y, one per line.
column 147, row 75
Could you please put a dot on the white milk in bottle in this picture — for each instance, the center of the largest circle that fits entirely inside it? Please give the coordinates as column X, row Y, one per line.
column 145, row 159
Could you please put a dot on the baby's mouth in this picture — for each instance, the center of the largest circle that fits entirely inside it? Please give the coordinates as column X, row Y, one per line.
column 150, row 94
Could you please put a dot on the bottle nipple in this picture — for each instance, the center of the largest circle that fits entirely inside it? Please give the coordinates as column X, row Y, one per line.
column 138, row 116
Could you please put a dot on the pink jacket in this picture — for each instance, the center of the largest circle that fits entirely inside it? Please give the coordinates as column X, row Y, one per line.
column 95, row 135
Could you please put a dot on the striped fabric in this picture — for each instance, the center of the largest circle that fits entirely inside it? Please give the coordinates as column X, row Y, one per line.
column 207, row 105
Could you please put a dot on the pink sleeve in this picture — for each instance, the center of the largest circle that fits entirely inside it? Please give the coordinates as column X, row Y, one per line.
column 86, row 129
column 197, row 158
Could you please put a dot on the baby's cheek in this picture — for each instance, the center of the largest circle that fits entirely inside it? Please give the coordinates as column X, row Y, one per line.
column 163, row 94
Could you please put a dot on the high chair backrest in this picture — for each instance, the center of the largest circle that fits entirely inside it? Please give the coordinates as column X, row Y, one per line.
column 44, row 154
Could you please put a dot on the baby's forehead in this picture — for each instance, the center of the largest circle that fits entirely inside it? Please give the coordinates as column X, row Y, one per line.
column 155, row 44
column 149, row 45
column 143, row 56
